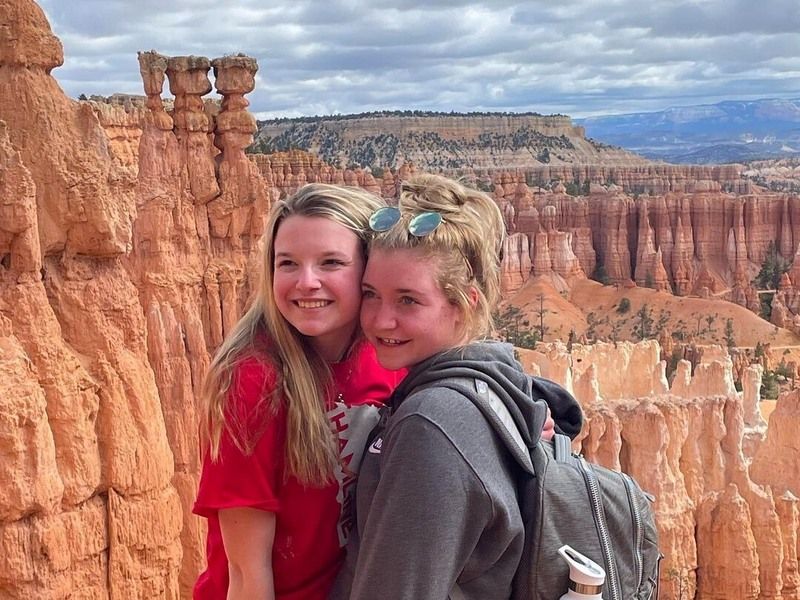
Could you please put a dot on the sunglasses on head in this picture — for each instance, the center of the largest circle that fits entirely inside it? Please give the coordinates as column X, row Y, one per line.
column 421, row 225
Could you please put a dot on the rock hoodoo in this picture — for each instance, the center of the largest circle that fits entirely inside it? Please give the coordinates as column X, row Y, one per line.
column 727, row 519
column 123, row 257
column 668, row 241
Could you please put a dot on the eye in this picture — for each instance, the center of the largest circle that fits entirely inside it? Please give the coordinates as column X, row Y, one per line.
column 367, row 294
column 407, row 300
column 333, row 262
column 284, row 263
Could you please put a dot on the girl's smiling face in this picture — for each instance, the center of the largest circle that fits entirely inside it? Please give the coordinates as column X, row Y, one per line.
column 317, row 281
column 404, row 312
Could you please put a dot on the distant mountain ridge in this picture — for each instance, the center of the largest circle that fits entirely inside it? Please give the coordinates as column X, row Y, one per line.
column 443, row 142
column 730, row 131
column 405, row 113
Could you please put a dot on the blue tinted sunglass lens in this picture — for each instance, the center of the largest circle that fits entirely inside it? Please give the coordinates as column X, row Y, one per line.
column 424, row 223
column 384, row 218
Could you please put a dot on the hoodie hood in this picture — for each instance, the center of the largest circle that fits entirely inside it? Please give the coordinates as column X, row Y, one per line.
column 515, row 395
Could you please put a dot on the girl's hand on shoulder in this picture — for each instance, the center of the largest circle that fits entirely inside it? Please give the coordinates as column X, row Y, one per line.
column 549, row 428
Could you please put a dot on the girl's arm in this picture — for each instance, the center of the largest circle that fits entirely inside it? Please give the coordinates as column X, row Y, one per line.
column 248, row 534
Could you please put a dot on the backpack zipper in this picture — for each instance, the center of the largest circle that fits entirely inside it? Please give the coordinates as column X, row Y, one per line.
column 602, row 527
column 638, row 530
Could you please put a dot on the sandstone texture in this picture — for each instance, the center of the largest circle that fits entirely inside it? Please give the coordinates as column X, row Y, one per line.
column 680, row 242
column 726, row 517
column 699, row 230
column 124, row 256
column 686, row 236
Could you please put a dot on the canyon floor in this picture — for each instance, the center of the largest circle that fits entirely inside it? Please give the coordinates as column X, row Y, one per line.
column 593, row 311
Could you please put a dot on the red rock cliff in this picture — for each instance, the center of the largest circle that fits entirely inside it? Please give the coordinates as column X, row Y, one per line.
column 727, row 519
column 124, row 253
column 687, row 240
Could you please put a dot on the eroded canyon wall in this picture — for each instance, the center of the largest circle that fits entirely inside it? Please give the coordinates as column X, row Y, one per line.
column 726, row 487
column 704, row 241
column 700, row 231
column 87, row 494
column 125, row 236
column 688, row 230
column 695, row 239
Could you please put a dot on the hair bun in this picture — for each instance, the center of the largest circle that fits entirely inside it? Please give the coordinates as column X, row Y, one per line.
column 428, row 192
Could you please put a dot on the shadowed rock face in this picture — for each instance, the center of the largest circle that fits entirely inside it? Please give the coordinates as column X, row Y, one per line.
column 128, row 236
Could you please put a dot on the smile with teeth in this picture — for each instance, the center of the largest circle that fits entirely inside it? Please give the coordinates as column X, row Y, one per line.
column 391, row 341
column 312, row 303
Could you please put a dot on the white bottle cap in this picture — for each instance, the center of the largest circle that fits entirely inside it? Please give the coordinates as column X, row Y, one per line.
column 583, row 570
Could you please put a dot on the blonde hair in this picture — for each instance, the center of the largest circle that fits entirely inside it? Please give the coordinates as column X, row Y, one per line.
column 303, row 376
column 467, row 245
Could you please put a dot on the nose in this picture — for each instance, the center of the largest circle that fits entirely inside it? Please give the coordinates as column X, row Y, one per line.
column 379, row 316
column 307, row 279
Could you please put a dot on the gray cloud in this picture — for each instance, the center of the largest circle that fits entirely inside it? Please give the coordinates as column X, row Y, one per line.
column 578, row 57
column 715, row 18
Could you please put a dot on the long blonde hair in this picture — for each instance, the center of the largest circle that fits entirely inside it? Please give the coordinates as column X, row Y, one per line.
column 467, row 245
column 304, row 378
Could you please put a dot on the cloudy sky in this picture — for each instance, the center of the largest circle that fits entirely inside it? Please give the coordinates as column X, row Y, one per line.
column 576, row 57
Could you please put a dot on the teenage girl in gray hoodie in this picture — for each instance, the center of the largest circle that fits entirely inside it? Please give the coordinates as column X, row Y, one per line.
column 436, row 502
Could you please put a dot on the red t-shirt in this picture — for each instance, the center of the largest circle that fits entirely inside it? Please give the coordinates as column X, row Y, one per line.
column 308, row 548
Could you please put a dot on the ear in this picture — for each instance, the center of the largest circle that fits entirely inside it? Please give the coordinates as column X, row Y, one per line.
column 473, row 296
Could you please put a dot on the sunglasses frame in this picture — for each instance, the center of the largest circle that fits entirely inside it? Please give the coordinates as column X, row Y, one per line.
column 387, row 217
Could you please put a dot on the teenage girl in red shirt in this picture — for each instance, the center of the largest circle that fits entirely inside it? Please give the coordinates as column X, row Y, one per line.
column 293, row 370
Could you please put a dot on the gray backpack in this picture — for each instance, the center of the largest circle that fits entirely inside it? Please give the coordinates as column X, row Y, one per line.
column 564, row 499
column 603, row 514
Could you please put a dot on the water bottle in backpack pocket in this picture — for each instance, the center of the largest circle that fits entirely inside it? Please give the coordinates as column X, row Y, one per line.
column 586, row 577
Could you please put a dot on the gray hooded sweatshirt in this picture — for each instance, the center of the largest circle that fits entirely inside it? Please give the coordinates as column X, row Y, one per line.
column 436, row 499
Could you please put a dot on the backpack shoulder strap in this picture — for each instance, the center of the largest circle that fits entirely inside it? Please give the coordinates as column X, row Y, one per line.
column 500, row 409
column 496, row 412
column 499, row 412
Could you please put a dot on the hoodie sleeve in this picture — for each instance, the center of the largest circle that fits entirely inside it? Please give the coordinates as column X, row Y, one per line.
column 564, row 408
column 427, row 513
